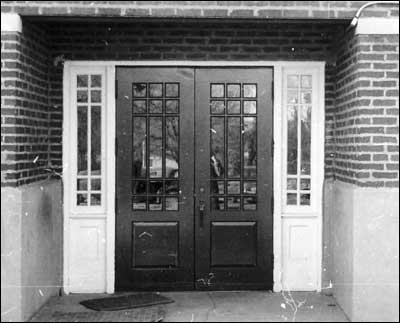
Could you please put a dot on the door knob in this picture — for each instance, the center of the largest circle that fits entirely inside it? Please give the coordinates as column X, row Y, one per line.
column 202, row 207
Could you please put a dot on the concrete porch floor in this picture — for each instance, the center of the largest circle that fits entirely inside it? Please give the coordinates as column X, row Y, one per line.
column 240, row 306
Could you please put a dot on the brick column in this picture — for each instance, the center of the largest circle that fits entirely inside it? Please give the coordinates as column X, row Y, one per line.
column 365, row 220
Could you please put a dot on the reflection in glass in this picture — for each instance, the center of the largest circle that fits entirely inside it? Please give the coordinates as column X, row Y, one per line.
column 217, row 106
column 139, row 202
column 155, row 147
column 292, row 97
column 172, row 187
column 249, row 90
column 95, row 96
column 139, row 106
column 95, row 199
column 155, row 106
column 155, row 90
column 171, row 90
column 217, row 187
column 305, row 97
column 82, row 199
column 139, row 187
column 95, row 184
column 233, row 155
column 233, row 107
column 171, row 203
column 305, row 184
column 217, row 203
column 305, row 140
column 139, row 90
column 306, row 81
column 172, row 147
column 171, row 106
column 82, row 96
column 250, row 147
column 233, row 187
column 249, row 203
column 291, row 199
column 139, row 147
column 82, row 140
column 95, row 81
column 82, row 184
column 233, row 90
column 217, row 90
column 292, row 184
column 96, row 140
column 292, row 140
column 250, row 107
column 293, row 81
column 305, row 199
column 233, row 202
column 250, row 187
column 155, row 203
column 82, row 81
column 156, row 187
column 217, row 147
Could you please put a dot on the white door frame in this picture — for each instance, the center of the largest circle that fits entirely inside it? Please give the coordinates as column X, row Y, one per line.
column 285, row 219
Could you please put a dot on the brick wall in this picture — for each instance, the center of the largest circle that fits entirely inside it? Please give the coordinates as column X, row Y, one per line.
column 145, row 40
column 200, row 9
column 24, row 103
column 367, row 111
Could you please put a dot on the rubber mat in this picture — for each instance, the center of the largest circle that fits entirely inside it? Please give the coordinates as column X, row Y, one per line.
column 126, row 302
column 148, row 314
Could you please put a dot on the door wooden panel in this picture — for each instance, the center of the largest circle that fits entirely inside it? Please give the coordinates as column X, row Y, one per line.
column 233, row 225
column 194, row 178
column 154, row 219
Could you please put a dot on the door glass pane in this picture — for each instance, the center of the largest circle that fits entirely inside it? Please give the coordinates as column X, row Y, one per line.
column 158, row 187
column 139, row 147
column 234, row 107
column 233, row 187
column 172, row 147
column 249, row 107
column 250, row 203
column 82, row 81
column 233, row 147
column 95, row 184
column 217, row 90
column 217, row 203
column 233, row 203
column 250, row 147
column 250, row 187
column 250, row 90
column 156, row 147
column 217, row 147
column 233, row 90
column 217, row 107
column 95, row 80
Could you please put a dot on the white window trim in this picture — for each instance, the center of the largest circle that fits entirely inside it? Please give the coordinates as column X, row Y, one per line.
column 109, row 216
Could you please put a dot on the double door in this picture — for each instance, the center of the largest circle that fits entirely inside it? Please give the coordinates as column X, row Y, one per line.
column 194, row 179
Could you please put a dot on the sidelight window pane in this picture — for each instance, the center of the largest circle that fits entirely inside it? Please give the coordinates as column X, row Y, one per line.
column 82, row 96
column 95, row 81
column 306, row 140
column 82, row 140
column 233, row 155
column 292, row 140
column 82, row 81
column 96, row 140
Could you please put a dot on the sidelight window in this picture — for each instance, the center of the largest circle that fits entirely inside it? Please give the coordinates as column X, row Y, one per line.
column 89, row 100
column 298, row 131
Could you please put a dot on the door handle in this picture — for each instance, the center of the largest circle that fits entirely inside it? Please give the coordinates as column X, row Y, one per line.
column 202, row 207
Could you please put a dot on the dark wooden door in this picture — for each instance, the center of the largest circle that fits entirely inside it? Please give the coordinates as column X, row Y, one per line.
column 155, row 173
column 233, row 138
column 194, row 179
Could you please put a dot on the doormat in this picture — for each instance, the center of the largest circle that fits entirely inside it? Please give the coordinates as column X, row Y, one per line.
column 125, row 302
column 148, row 314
